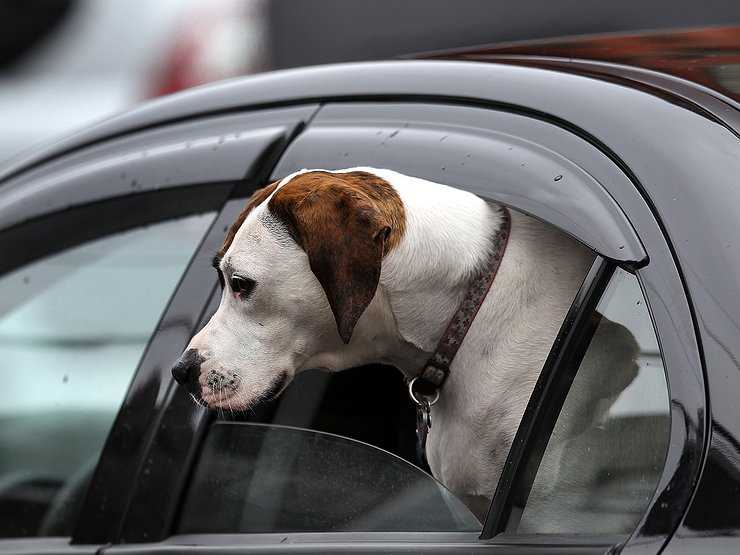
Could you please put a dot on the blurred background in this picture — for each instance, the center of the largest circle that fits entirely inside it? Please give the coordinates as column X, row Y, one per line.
column 67, row 63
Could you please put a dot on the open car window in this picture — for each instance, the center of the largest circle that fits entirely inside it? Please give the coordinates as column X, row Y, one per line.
column 244, row 483
column 601, row 464
column 370, row 404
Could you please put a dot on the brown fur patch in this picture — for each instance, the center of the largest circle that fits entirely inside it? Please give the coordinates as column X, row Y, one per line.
column 346, row 223
column 257, row 198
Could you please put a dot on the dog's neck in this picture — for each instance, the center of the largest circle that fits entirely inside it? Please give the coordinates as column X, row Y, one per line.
column 449, row 235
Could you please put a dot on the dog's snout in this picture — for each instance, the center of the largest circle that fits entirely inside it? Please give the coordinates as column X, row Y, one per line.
column 188, row 367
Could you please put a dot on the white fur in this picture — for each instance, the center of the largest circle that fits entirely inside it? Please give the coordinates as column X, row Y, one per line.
column 286, row 325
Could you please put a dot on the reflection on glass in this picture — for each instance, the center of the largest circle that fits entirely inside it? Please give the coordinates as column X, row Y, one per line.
column 73, row 327
column 255, row 478
column 605, row 455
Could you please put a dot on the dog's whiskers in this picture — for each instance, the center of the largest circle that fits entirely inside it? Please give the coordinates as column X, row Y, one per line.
column 220, row 406
column 228, row 402
column 198, row 401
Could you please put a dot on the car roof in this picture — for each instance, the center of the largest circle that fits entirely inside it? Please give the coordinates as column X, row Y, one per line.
column 432, row 80
column 707, row 56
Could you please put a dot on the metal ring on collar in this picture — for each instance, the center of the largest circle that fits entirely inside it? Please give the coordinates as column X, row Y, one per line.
column 413, row 394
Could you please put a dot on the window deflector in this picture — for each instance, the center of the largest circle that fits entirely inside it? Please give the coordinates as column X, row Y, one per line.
column 547, row 399
column 526, row 164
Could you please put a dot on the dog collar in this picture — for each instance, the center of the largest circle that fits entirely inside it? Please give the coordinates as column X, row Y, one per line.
column 424, row 388
column 437, row 369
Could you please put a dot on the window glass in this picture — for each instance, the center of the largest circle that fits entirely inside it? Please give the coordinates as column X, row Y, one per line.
column 73, row 327
column 604, row 457
column 334, row 452
column 265, row 478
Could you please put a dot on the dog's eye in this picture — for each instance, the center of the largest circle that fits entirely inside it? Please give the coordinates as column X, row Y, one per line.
column 241, row 285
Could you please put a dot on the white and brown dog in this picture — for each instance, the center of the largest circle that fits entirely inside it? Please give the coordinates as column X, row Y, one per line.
column 339, row 269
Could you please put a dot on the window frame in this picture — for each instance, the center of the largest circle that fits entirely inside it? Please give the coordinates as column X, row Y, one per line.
column 154, row 422
column 669, row 307
column 98, row 220
column 94, row 206
column 659, row 277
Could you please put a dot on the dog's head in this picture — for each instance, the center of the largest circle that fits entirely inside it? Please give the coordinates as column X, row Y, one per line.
column 298, row 268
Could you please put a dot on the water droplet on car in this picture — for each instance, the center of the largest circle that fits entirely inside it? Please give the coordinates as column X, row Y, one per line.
column 26, row 280
column 443, row 138
column 558, row 177
column 621, row 247
column 65, row 378
column 394, row 133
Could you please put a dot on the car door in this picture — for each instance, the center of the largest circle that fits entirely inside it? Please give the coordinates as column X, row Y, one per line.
column 549, row 170
column 101, row 280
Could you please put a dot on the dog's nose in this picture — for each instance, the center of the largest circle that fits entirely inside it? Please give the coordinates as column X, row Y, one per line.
column 188, row 367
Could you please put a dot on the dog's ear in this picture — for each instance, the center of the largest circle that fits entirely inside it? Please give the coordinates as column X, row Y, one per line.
column 345, row 235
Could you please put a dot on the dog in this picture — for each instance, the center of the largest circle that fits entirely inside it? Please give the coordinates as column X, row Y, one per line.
column 336, row 269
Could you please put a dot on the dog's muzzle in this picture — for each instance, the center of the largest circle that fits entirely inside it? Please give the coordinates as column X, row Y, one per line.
column 218, row 382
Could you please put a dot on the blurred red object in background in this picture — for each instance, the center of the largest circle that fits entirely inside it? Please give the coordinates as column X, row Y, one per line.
column 216, row 40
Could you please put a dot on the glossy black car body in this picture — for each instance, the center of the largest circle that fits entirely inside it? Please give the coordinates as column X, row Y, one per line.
column 665, row 152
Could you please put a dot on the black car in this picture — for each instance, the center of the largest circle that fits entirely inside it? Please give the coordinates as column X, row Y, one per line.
column 106, row 242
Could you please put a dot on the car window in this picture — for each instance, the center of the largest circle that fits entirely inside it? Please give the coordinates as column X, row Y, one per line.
column 262, row 478
column 369, row 404
column 73, row 327
column 605, row 455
